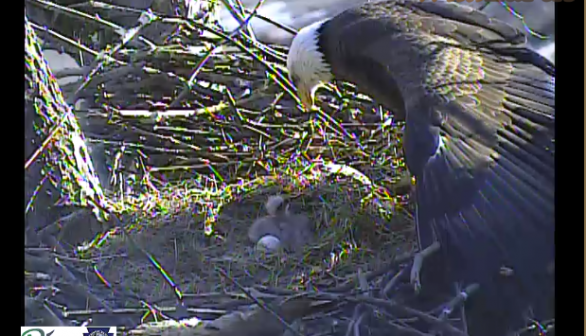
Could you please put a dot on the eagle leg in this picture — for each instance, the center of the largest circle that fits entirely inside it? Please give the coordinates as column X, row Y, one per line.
column 418, row 263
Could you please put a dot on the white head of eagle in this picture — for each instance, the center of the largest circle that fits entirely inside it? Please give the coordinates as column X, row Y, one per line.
column 306, row 64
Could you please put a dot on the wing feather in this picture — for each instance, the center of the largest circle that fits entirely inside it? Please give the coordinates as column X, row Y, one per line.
column 479, row 138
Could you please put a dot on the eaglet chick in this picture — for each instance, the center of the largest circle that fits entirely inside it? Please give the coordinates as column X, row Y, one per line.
column 281, row 228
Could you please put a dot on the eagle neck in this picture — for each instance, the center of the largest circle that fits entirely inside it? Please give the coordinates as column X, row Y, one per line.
column 323, row 41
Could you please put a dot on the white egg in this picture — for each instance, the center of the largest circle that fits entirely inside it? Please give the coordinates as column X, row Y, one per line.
column 268, row 243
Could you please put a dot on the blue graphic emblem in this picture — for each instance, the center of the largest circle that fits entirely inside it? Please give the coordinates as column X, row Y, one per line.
column 98, row 332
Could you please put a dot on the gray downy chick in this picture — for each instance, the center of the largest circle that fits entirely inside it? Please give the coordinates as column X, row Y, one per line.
column 296, row 231
column 281, row 228
column 268, row 225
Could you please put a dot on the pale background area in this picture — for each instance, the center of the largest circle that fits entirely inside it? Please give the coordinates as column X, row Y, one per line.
column 539, row 15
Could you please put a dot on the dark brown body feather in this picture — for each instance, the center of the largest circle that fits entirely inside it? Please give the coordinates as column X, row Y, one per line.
column 480, row 118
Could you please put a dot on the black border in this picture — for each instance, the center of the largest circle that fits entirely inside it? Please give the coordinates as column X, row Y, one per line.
column 569, row 69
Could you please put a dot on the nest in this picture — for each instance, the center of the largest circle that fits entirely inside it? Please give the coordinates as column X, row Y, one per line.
column 197, row 126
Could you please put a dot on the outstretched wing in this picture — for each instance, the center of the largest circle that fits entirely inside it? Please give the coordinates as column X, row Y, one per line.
column 480, row 138
column 481, row 143
column 479, row 134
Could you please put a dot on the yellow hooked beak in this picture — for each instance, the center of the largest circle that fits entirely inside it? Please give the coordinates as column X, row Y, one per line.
column 306, row 96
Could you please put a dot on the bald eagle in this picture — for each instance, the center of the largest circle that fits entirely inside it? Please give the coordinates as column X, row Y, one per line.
column 479, row 139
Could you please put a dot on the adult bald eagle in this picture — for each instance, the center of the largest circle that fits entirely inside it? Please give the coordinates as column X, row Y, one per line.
column 479, row 139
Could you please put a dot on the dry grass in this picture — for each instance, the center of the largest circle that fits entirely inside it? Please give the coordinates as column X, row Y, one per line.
column 351, row 236
column 188, row 185
column 198, row 127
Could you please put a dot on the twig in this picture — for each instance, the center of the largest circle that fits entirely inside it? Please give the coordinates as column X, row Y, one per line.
column 157, row 116
column 82, row 289
column 545, row 327
column 406, row 330
column 196, row 311
column 391, row 284
column 206, row 57
column 81, row 15
column 99, row 61
column 457, row 301
column 373, row 274
column 369, row 276
column 50, row 318
column 286, row 28
column 362, row 281
column 258, row 302
column 392, row 305
column 354, row 325
column 464, row 320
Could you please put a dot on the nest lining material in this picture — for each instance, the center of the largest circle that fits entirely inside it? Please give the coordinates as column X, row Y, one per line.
column 197, row 127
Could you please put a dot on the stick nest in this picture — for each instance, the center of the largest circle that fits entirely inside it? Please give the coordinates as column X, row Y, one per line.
column 198, row 126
